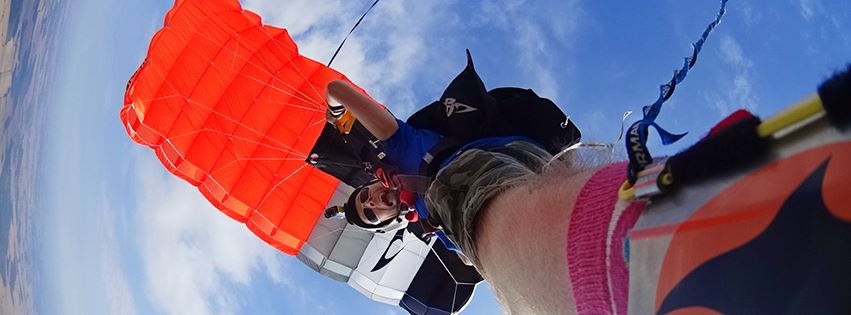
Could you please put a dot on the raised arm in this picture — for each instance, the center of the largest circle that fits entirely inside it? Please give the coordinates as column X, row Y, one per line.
column 372, row 115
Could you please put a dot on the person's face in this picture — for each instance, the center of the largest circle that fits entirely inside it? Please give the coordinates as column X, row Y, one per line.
column 375, row 203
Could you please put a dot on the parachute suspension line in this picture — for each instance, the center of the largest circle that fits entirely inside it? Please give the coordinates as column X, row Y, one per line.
column 318, row 105
column 623, row 126
column 275, row 187
column 320, row 98
column 319, row 102
column 350, row 32
column 434, row 251
column 449, row 271
column 454, row 295
column 281, row 147
column 314, row 103
column 636, row 144
column 240, row 159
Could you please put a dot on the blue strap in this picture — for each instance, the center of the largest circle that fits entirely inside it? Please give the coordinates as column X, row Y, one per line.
column 636, row 144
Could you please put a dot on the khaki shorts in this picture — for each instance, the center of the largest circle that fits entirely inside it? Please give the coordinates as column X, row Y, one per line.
column 468, row 182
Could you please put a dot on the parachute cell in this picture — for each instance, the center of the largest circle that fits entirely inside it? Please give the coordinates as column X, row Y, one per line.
column 392, row 268
column 230, row 106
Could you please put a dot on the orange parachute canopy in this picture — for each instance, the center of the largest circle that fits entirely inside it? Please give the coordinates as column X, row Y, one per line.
column 230, row 106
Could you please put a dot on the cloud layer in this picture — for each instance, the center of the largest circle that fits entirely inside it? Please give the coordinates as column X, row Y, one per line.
column 385, row 53
column 190, row 250
column 405, row 52
column 738, row 91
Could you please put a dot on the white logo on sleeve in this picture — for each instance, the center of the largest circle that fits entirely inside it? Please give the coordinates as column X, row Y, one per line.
column 453, row 106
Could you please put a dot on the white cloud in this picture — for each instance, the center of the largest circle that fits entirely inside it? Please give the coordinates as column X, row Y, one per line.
column 828, row 20
column 118, row 297
column 393, row 312
column 402, row 44
column 732, row 54
column 396, row 49
column 739, row 90
column 299, row 17
column 752, row 17
column 722, row 106
column 385, row 55
column 809, row 8
column 191, row 251
column 541, row 38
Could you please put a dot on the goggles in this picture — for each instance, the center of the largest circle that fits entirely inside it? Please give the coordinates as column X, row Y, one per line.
column 368, row 213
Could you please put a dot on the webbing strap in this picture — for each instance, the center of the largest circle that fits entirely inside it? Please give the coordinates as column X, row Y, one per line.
column 430, row 162
column 413, row 183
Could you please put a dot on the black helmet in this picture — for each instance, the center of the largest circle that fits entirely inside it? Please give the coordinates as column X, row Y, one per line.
column 388, row 225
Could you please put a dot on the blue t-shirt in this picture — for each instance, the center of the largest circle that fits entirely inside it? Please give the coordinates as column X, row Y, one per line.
column 408, row 145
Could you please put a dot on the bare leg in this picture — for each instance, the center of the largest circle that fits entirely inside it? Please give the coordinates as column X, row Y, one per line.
column 522, row 239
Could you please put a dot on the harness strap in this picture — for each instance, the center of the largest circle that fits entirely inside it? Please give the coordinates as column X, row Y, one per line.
column 413, row 183
column 430, row 162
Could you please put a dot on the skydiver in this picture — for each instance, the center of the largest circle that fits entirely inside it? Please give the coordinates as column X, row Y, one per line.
column 503, row 202
column 507, row 207
column 474, row 174
column 507, row 196
column 495, row 198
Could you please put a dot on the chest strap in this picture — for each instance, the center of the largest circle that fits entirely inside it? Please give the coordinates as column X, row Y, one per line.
column 413, row 183
column 430, row 162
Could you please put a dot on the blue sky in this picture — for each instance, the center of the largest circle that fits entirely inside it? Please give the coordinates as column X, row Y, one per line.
column 126, row 237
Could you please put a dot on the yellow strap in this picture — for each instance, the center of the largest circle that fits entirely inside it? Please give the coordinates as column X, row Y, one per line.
column 346, row 122
column 626, row 192
column 810, row 106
